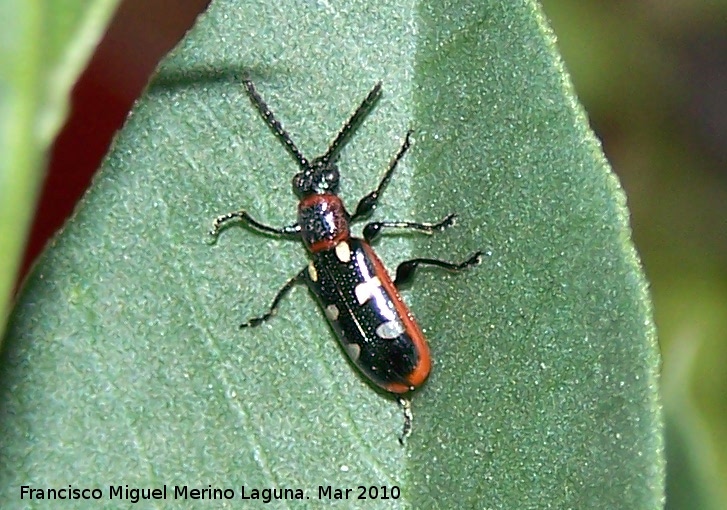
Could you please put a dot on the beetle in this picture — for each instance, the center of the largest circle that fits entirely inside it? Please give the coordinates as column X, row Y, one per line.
column 360, row 300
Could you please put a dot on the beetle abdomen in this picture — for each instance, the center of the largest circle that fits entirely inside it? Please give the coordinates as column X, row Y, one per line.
column 372, row 323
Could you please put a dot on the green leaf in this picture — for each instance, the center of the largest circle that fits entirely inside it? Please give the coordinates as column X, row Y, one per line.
column 45, row 46
column 124, row 364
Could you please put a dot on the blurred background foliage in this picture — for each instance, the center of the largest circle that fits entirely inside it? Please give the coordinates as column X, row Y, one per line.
column 652, row 75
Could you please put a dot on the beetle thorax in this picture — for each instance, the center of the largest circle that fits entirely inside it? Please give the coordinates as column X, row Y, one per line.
column 323, row 221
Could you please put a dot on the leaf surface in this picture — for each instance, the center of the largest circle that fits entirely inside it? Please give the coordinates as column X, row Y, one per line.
column 124, row 364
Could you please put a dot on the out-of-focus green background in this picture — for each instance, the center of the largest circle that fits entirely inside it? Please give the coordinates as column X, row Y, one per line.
column 652, row 75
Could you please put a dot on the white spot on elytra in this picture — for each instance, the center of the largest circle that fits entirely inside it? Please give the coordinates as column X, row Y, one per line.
column 390, row 329
column 312, row 272
column 332, row 312
column 365, row 291
column 354, row 351
column 343, row 252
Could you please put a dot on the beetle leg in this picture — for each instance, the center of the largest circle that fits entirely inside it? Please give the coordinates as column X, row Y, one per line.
column 221, row 222
column 372, row 230
column 368, row 203
column 256, row 321
column 405, row 271
column 405, row 405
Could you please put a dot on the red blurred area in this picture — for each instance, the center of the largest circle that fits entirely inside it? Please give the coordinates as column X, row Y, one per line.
column 140, row 34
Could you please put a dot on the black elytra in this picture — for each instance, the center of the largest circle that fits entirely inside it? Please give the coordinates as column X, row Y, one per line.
column 358, row 297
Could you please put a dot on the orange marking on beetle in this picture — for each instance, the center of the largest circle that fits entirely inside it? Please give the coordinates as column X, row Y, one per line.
column 420, row 373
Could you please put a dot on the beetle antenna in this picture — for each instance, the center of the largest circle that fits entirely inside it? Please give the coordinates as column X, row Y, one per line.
column 275, row 124
column 351, row 124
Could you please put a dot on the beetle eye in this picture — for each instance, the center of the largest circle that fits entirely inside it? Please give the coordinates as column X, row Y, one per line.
column 299, row 183
column 332, row 177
